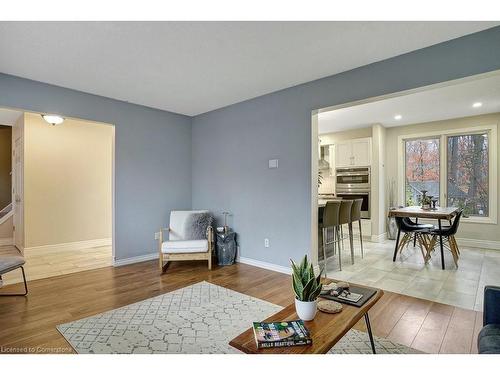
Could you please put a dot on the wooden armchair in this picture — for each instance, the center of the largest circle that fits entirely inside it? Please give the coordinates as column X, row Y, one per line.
column 178, row 248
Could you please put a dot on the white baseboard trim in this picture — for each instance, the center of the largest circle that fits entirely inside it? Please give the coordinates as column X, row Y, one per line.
column 483, row 244
column 137, row 259
column 378, row 237
column 6, row 241
column 249, row 261
column 265, row 265
column 78, row 245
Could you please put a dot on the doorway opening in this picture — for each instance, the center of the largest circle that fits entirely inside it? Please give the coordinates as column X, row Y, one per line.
column 61, row 195
column 419, row 151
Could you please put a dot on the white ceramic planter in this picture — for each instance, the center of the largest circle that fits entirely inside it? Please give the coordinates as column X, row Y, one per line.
column 306, row 310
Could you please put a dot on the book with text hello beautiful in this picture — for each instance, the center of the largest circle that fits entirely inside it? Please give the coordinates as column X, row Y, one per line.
column 278, row 334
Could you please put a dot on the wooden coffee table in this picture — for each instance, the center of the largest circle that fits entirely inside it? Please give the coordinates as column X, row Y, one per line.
column 326, row 329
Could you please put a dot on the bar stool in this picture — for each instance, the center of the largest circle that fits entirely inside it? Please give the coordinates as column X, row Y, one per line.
column 331, row 221
column 345, row 218
column 356, row 216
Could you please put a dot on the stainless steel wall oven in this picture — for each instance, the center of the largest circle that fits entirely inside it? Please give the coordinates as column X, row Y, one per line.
column 357, row 178
column 355, row 183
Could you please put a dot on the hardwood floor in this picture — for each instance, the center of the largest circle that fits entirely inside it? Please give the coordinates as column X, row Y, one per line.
column 30, row 322
column 41, row 264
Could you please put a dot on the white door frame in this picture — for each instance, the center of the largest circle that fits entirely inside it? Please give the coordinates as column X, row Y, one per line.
column 17, row 181
column 113, row 185
column 113, row 153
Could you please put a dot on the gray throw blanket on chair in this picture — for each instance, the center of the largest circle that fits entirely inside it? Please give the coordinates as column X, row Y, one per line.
column 197, row 224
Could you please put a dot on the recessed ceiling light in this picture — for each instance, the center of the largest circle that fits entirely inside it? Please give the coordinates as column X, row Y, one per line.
column 477, row 104
column 398, row 117
column 53, row 119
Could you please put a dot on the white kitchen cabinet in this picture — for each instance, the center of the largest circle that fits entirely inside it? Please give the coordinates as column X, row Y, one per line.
column 355, row 152
column 362, row 151
column 343, row 154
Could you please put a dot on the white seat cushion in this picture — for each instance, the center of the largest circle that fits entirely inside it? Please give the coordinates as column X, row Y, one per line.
column 191, row 246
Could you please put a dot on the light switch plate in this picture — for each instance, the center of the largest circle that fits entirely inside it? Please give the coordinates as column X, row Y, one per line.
column 273, row 163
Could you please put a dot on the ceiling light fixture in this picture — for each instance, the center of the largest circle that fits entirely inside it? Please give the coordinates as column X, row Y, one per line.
column 398, row 117
column 53, row 119
column 477, row 104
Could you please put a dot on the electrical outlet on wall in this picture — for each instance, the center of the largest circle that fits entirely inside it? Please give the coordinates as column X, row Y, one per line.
column 157, row 235
column 266, row 242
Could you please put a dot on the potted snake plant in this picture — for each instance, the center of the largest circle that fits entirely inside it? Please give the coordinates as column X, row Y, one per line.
column 307, row 288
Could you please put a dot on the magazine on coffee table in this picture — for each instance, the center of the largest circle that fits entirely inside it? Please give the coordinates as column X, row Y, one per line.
column 279, row 334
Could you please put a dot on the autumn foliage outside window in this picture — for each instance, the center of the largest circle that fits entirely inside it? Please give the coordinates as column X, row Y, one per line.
column 421, row 169
column 467, row 169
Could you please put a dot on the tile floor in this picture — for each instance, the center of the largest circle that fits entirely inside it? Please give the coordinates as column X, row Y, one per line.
column 462, row 287
column 41, row 264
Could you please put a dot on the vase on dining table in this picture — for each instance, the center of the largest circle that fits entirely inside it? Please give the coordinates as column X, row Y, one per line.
column 392, row 228
column 425, row 202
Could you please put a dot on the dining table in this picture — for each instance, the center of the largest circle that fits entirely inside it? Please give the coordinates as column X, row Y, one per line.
column 417, row 212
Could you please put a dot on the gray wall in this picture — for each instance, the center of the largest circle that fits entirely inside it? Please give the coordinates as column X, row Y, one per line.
column 152, row 155
column 231, row 145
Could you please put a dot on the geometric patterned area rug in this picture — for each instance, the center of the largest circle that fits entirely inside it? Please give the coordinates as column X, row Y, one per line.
column 200, row 318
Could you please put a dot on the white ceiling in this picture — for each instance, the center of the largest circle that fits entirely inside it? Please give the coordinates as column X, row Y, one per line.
column 195, row 67
column 431, row 105
column 8, row 117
